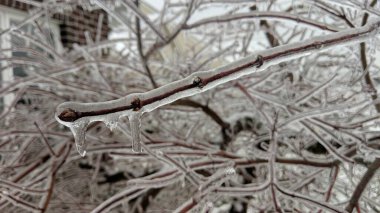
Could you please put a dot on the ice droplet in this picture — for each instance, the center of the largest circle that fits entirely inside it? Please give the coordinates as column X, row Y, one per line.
column 111, row 125
column 112, row 121
column 209, row 206
column 135, row 122
column 230, row 171
column 78, row 129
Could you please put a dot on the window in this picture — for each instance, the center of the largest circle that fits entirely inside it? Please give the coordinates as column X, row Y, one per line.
column 10, row 17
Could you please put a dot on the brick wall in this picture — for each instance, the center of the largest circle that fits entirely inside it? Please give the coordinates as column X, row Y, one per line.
column 76, row 23
column 73, row 24
column 17, row 5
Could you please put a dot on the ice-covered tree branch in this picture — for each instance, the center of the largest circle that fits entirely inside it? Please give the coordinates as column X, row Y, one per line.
column 203, row 106
column 198, row 82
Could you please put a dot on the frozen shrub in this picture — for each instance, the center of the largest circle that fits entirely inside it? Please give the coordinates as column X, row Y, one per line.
column 199, row 106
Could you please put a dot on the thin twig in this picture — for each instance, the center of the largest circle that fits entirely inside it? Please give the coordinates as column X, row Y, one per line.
column 44, row 139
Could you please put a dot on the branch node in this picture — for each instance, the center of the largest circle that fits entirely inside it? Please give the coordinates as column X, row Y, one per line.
column 136, row 104
column 318, row 45
column 69, row 115
column 260, row 61
column 198, row 82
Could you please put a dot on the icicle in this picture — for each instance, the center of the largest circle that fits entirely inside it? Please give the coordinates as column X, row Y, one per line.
column 256, row 24
column 183, row 181
column 135, row 122
column 372, row 45
column 78, row 129
column 309, row 11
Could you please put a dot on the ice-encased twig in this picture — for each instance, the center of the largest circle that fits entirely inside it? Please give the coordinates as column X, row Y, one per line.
column 115, row 14
column 267, row 15
column 296, row 196
column 206, row 188
column 142, row 16
column 123, row 196
column 27, row 20
column 29, row 207
column 319, row 112
column 157, row 182
column 314, row 91
column 326, row 144
column 21, row 188
column 242, row 191
column 199, row 82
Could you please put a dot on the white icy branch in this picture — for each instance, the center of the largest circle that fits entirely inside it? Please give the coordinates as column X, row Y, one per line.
column 202, row 81
column 263, row 15
column 142, row 16
column 77, row 116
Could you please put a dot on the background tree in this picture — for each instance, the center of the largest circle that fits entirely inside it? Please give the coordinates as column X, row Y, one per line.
column 203, row 106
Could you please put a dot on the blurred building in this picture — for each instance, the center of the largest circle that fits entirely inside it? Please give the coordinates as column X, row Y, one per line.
column 69, row 27
column 74, row 24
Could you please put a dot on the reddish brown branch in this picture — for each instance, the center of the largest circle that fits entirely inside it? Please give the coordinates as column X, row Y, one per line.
column 275, row 55
column 363, row 57
column 45, row 141
column 371, row 171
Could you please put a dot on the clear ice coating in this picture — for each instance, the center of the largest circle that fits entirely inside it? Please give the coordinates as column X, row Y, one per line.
column 112, row 121
column 217, row 179
column 314, row 91
column 243, row 67
column 79, row 131
column 135, row 123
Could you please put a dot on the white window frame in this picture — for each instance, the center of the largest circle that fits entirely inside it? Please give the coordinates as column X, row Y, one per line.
column 8, row 14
